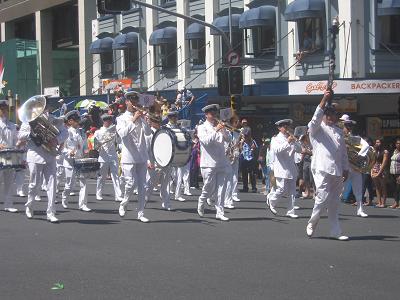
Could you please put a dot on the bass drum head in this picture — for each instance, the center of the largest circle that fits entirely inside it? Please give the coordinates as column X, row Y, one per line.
column 162, row 147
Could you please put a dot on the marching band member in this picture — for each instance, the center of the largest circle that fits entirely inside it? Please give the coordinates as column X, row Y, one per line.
column 284, row 146
column 182, row 176
column 355, row 177
column 233, row 152
column 329, row 165
column 105, row 139
column 73, row 149
column 41, row 162
column 20, row 174
column 8, row 139
column 213, row 162
column 134, row 157
column 155, row 174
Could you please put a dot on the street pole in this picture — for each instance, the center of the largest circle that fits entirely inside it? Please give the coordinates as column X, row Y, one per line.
column 230, row 21
column 158, row 8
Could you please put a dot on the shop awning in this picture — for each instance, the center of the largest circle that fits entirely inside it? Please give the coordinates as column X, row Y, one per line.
column 257, row 17
column 165, row 35
column 101, row 46
column 300, row 9
column 125, row 41
column 389, row 8
column 195, row 31
column 223, row 24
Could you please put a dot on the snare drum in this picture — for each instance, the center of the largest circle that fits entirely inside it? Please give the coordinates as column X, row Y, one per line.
column 171, row 147
column 86, row 166
column 12, row 159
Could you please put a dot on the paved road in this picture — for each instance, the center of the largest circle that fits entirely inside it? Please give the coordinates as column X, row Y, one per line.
column 180, row 256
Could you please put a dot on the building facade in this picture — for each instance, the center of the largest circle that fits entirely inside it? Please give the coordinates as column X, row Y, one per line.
column 284, row 48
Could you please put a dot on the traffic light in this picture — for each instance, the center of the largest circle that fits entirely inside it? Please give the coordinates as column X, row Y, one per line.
column 236, row 102
column 223, row 81
column 235, row 80
column 113, row 6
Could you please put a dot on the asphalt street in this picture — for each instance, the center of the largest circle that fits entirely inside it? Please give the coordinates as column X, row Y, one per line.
column 179, row 255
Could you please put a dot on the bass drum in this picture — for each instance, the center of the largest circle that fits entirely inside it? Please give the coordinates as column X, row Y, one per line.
column 171, row 147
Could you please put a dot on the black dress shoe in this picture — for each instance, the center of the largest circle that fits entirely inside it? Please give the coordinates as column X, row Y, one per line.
column 254, row 190
column 244, row 190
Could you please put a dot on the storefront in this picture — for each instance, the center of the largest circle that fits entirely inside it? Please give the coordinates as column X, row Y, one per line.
column 374, row 104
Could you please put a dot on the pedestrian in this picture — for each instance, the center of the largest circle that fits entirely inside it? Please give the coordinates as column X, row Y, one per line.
column 249, row 156
column 395, row 171
column 195, row 163
column 367, row 182
column 264, row 159
column 63, row 108
column 379, row 174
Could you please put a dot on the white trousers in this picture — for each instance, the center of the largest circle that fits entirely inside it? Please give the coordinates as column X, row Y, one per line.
column 103, row 172
column 135, row 175
column 60, row 173
column 162, row 177
column 20, row 180
column 231, row 184
column 327, row 195
column 285, row 188
column 356, row 183
column 36, row 173
column 6, row 183
column 182, row 174
column 214, row 180
column 70, row 178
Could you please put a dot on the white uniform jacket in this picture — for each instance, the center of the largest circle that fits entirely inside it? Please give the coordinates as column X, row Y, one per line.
column 284, row 163
column 134, row 148
column 75, row 143
column 212, row 144
column 37, row 154
column 8, row 133
column 329, row 149
column 107, row 151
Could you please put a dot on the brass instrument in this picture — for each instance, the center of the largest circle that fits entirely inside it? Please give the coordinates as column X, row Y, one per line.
column 362, row 164
column 227, row 126
column 43, row 131
column 232, row 152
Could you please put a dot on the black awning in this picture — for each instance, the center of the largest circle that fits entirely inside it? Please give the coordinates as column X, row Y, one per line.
column 195, row 31
column 125, row 41
column 389, row 8
column 223, row 24
column 257, row 17
column 101, row 46
column 165, row 35
column 301, row 9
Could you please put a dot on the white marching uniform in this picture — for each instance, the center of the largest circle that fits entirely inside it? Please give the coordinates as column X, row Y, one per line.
column 108, row 159
column 60, row 170
column 182, row 176
column 355, row 178
column 74, row 143
column 232, row 178
column 328, row 163
column 134, row 157
column 8, row 138
column 285, row 171
column 214, row 165
column 42, row 164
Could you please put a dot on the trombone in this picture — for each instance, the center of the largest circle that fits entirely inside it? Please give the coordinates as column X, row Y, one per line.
column 228, row 126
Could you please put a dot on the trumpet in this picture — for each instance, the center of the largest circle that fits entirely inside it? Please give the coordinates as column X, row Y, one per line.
column 227, row 126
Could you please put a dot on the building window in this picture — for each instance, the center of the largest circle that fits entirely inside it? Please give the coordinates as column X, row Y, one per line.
column 389, row 31
column 167, row 2
column 131, row 57
column 197, row 52
column 261, row 41
column 311, row 34
column 106, row 64
column 165, row 56
column 237, row 43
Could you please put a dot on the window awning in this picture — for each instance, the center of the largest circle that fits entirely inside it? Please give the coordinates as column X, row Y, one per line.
column 223, row 24
column 195, row 31
column 389, row 8
column 165, row 35
column 101, row 46
column 259, row 16
column 300, row 9
column 125, row 41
